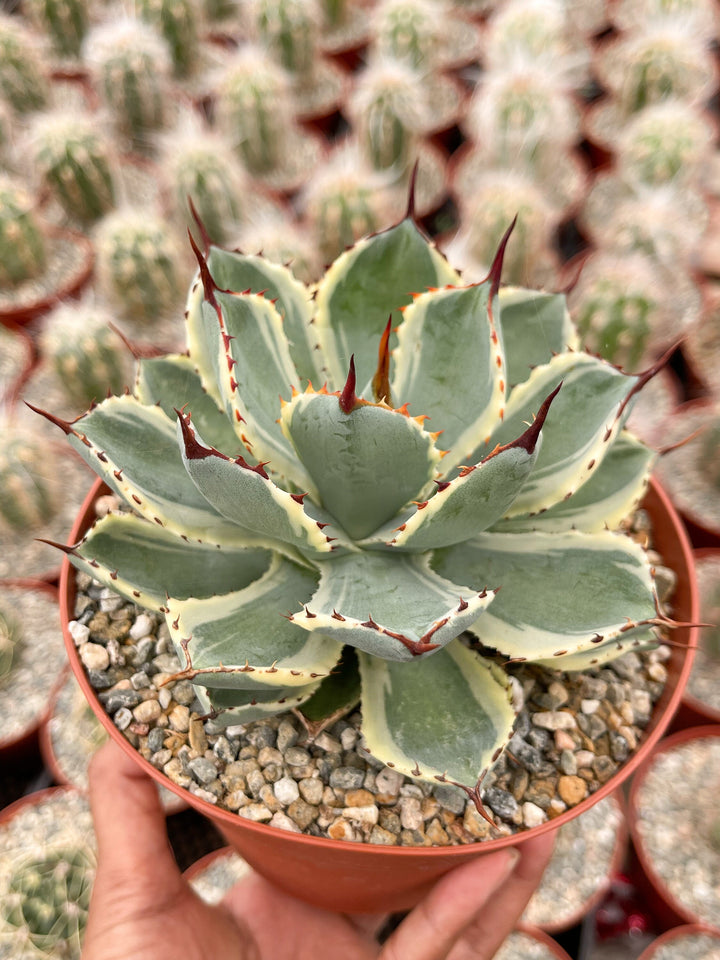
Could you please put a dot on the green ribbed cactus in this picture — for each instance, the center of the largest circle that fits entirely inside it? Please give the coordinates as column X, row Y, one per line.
column 177, row 21
column 74, row 160
column 88, row 357
column 47, row 902
column 343, row 203
column 132, row 64
column 9, row 637
column 64, row 21
column 387, row 109
column 667, row 142
column 22, row 81
column 254, row 108
column 406, row 31
column 29, row 487
column 290, row 30
column 22, row 243
column 200, row 164
column 137, row 260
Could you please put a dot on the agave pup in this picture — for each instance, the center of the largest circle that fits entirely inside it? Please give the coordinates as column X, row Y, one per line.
column 313, row 478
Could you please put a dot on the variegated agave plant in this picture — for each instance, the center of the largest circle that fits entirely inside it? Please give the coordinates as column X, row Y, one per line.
column 278, row 525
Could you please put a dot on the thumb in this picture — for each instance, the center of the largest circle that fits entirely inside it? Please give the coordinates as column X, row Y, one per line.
column 133, row 847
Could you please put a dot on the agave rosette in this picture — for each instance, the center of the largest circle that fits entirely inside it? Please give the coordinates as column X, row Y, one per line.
column 462, row 468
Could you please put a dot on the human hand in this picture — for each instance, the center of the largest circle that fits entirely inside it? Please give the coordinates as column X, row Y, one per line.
column 143, row 909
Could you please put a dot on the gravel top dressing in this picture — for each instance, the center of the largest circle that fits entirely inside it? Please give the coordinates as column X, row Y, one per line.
column 573, row 733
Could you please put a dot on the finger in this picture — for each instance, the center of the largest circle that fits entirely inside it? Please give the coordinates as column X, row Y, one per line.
column 490, row 928
column 129, row 822
column 429, row 932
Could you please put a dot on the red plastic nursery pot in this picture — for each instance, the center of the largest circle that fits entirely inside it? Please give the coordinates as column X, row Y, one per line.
column 665, row 907
column 545, row 939
column 676, row 937
column 365, row 878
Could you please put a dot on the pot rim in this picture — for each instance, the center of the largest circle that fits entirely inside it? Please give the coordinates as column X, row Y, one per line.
column 675, row 933
column 662, row 714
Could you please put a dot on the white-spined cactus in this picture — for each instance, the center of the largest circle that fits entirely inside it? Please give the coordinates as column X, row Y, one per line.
column 455, row 468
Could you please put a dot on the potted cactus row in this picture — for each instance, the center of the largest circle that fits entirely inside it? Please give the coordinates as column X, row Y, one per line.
column 379, row 494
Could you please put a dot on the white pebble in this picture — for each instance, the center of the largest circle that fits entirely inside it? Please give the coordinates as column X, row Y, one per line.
column 589, row 706
column 411, row 817
column 368, row 814
column 584, row 758
column 94, row 656
column 388, row 781
column 554, row 720
column 142, row 627
column 79, row 632
column 165, row 697
column 532, row 814
column 147, row 711
column 348, row 738
column 286, row 790
column 283, row 822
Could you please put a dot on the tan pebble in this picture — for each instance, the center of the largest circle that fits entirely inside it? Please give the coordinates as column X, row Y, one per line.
column 386, row 799
column 236, row 799
column 414, row 838
column 447, row 817
column 140, row 729
column 302, row 813
column 269, row 755
column 94, row 656
column 429, row 807
column 359, row 798
column 657, row 672
column 436, row 833
column 584, row 758
column 179, row 718
column 475, row 824
column 122, row 685
column 627, row 712
column 587, row 774
column 147, row 711
column 327, row 743
column 555, row 808
column 563, row 740
column 341, row 830
column 198, row 740
column 629, row 735
column 330, row 798
column 366, row 814
column 457, row 832
column 164, row 680
column 311, row 790
column 255, row 811
column 572, row 789
column 173, row 741
column 559, row 692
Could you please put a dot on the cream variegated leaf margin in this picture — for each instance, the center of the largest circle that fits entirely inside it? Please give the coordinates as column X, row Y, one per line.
column 256, row 373
column 389, row 605
column 560, row 592
column 375, row 277
column 230, row 707
column 124, row 441
column 445, row 717
column 611, row 493
column 248, row 498
column 468, row 505
column 146, row 563
column 579, row 430
column 243, row 640
column 448, row 347
column 605, row 652
column 202, row 337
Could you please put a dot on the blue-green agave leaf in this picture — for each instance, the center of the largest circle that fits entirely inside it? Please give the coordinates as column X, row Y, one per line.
column 533, row 327
column 444, row 718
column 230, row 707
column 390, row 605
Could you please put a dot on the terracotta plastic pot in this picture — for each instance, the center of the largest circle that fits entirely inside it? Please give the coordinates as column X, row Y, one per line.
column 7, row 813
column 676, row 936
column 535, row 933
column 666, row 909
column 365, row 878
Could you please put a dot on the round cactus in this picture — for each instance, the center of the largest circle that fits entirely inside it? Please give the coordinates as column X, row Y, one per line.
column 74, row 160
column 48, row 900
column 28, row 481
column 132, row 64
column 9, row 637
column 22, row 243
column 177, row 21
column 497, row 197
column 406, row 31
column 88, row 357
column 342, row 203
column 387, row 108
column 200, row 165
column 666, row 142
column 138, row 258
column 255, row 109
column 22, row 82
column 65, row 21
column 290, row 30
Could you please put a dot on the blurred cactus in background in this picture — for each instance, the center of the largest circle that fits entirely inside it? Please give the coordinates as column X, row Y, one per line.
column 22, row 81
column 64, row 21
column 9, row 637
column 22, row 244
column 290, row 31
column 177, row 22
